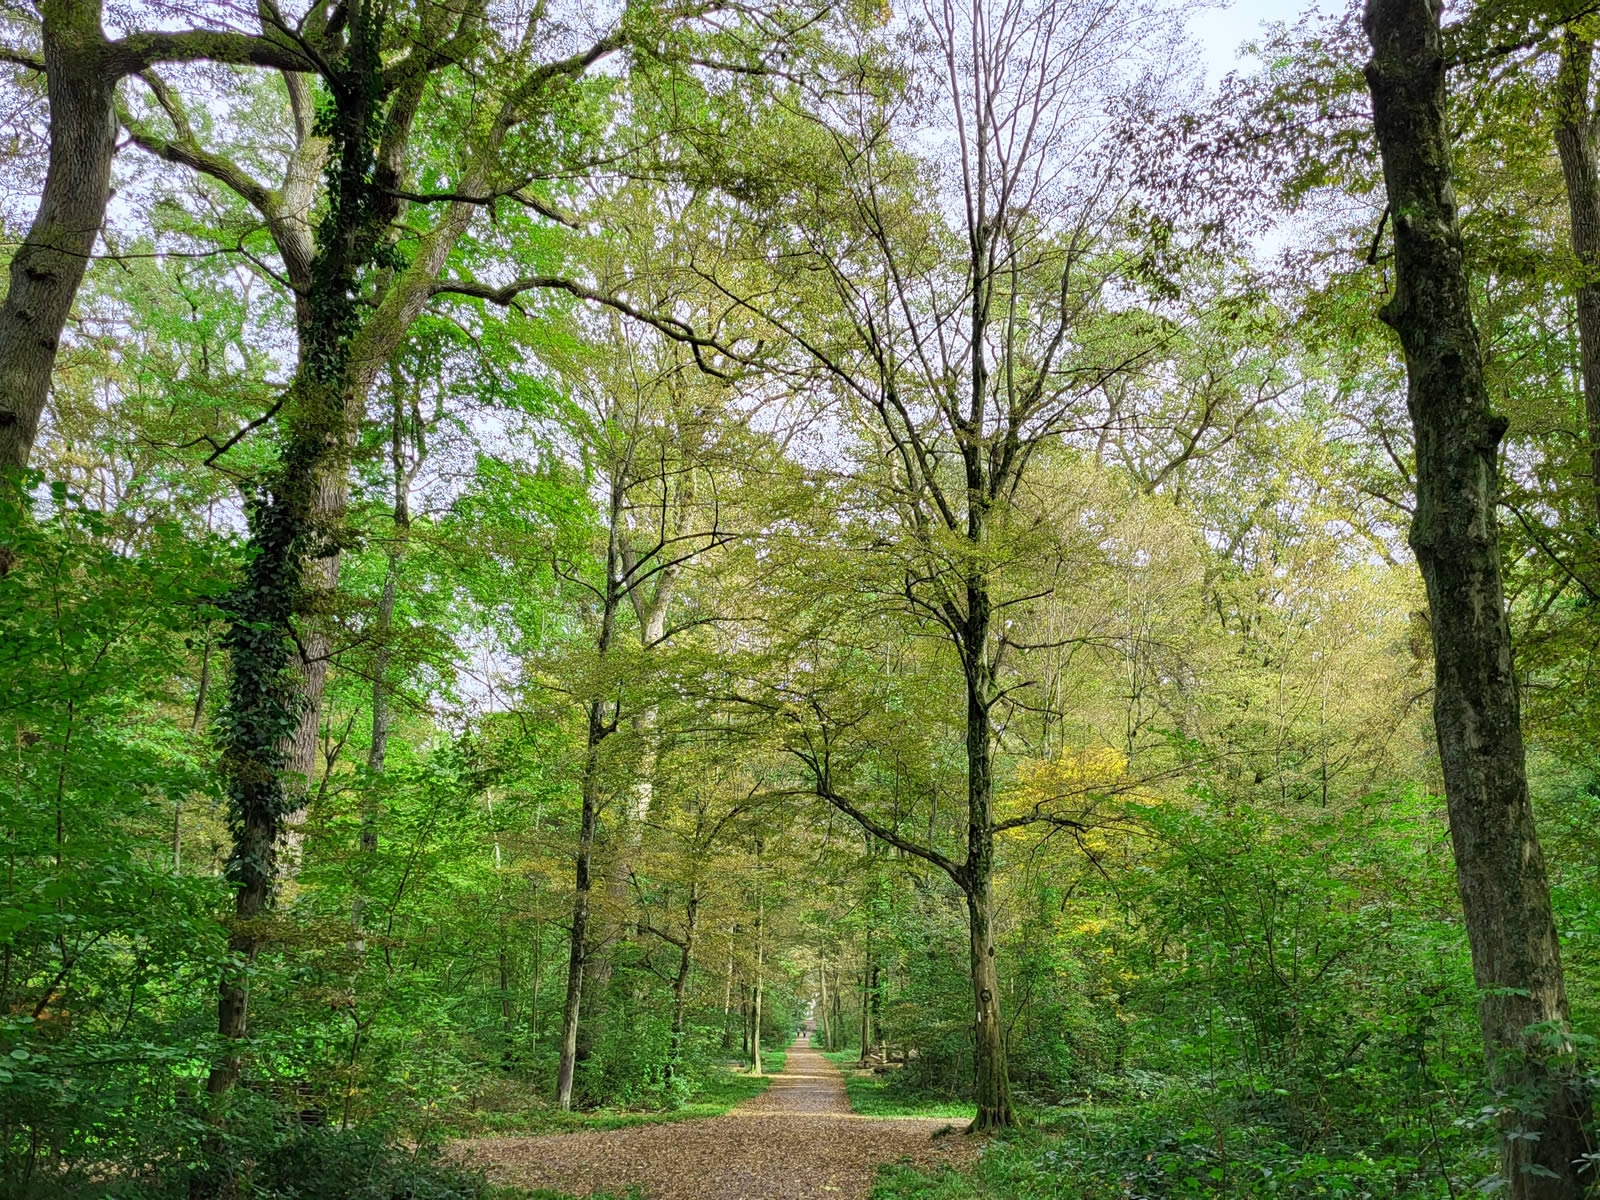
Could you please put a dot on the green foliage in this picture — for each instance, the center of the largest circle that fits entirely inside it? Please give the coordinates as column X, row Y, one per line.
column 890, row 1094
column 1177, row 1149
column 1232, row 957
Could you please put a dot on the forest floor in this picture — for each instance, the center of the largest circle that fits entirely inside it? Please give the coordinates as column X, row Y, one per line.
column 798, row 1140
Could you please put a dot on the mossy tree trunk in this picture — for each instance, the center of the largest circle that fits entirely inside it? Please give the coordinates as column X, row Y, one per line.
column 1499, row 864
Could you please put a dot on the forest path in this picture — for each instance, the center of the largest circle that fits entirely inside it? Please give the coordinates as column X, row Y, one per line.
column 798, row 1140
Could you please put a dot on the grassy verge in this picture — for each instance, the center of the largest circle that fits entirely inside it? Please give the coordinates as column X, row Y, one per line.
column 717, row 1089
column 876, row 1096
column 1035, row 1163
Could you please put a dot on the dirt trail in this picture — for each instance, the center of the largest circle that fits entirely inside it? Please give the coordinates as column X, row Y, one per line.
column 796, row 1141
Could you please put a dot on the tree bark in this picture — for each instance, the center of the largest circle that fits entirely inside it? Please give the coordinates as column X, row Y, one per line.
column 680, row 981
column 727, row 995
column 744, row 1020
column 579, row 948
column 760, row 984
column 598, row 730
column 1575, row 144
column 827, row 1029
column 262, row 706
column 82, row 67
column 838, row 1012
column 866, row 1006
column 49, row 265
column 1499, row 864
column 993, row 1083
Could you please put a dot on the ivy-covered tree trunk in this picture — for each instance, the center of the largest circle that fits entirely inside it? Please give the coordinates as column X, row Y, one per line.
column 1499, row 864
column 264, row 700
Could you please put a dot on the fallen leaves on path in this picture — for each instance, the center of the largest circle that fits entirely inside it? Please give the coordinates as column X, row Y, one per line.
column 796, row 1141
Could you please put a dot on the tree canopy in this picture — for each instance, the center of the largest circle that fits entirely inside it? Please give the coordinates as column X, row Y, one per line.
column 545, row 547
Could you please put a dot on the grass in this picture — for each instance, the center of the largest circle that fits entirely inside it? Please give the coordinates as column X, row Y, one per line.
column 718, row 1088
column 874, row 1095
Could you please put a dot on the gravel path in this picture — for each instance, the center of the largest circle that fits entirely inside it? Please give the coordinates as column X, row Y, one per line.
column 798, row 1140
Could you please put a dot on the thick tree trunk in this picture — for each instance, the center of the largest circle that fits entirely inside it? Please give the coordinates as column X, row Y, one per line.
column 993, row 1083
column 1499, row 865
column 82, row 68
column 49, row 265
column 315, row 636
column 1574, row 134
column 262, row 708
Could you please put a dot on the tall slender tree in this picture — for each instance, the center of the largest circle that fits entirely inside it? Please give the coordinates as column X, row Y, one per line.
column 965, row 347
column 1500, row 866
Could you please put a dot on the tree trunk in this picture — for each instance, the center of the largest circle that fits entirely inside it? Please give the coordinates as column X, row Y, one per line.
column 838, row 1013
column 680, row 982
column 874, row 991
column 727, row 995
column 866, row 1007
column 580, row 914
column 49, row 265
column 744, row 1021
column 993, row 1082
column 626, row 831
column 755, row 1018
column 598, row 730
column 82, row 69
column 262, row 707
column 506, row 1010
column 822, row 977
column 1499, row 865
column 1574, row 135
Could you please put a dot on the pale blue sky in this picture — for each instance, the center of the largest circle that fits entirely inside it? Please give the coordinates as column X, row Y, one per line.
column 1219, row 31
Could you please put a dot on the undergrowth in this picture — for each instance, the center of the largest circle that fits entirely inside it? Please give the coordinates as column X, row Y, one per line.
column 874, row 1095
column 1174, row 1148
column 712, row 1090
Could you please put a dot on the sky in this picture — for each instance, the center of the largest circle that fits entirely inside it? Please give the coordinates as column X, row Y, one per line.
column 1219, row 31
